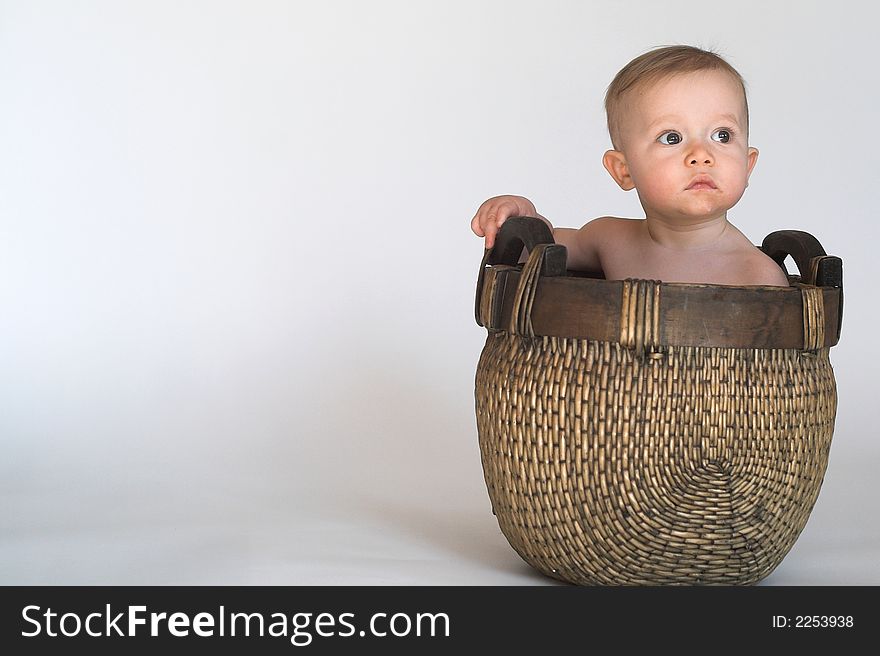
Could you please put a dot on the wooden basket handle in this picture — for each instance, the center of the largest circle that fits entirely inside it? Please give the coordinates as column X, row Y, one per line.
column 516, row 233
column 815, row 267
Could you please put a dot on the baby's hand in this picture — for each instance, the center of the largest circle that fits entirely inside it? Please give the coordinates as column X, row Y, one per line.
column 496, row 211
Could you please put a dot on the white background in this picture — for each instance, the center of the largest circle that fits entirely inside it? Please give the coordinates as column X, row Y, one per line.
column 236, row 271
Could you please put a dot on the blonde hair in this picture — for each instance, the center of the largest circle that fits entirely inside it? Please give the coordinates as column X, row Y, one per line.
column 658, row 65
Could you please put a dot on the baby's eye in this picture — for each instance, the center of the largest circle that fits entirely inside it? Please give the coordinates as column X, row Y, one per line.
column 721, row 135
column 669, row 138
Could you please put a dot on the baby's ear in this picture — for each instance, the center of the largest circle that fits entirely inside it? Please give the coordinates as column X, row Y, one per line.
column 615, row 163
column 752, row 158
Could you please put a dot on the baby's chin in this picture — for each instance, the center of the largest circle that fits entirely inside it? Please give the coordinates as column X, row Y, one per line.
column 701, row 205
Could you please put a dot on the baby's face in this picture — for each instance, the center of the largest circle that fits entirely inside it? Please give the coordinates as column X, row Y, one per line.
column 685, row 145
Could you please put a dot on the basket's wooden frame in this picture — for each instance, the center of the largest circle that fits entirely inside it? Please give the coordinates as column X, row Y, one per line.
column 572, row 305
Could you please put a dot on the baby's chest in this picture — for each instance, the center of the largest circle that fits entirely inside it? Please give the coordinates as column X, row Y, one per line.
column 668, row 266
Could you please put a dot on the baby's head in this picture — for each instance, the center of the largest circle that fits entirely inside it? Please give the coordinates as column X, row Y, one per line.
column 656, row 66
column 678, row 117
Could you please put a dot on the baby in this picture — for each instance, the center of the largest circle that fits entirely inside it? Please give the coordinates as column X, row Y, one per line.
column 679, row 125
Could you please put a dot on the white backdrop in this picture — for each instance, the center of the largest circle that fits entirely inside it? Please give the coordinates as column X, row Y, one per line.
column 236, row 271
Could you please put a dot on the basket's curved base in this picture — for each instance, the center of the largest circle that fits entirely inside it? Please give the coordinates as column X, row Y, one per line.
column 687, row 466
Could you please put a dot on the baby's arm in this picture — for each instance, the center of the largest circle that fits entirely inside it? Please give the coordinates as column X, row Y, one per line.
column 495, row 211
column 584, row 244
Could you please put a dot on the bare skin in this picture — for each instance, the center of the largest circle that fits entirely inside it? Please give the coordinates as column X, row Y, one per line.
column 625, row 248
column 683, row 148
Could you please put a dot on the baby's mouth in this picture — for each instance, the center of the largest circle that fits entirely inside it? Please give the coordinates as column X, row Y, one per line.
column 701, row 182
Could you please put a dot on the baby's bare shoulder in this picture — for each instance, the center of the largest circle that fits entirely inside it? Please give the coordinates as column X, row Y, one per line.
column 612, row 226
column 615, row 222
column 759, row 269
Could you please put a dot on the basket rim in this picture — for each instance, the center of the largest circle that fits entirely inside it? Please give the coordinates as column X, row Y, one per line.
column 685, row 314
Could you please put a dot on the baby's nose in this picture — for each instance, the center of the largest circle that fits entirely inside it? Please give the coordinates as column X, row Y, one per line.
column 700, row 155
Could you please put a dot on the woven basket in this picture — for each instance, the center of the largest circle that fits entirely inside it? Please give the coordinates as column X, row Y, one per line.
column 643, row 433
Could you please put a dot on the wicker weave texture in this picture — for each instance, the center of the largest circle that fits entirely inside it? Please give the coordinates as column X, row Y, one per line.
column 650, row 466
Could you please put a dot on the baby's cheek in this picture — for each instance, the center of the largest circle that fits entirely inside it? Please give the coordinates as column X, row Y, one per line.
column 738, row 181
column 657, row 187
